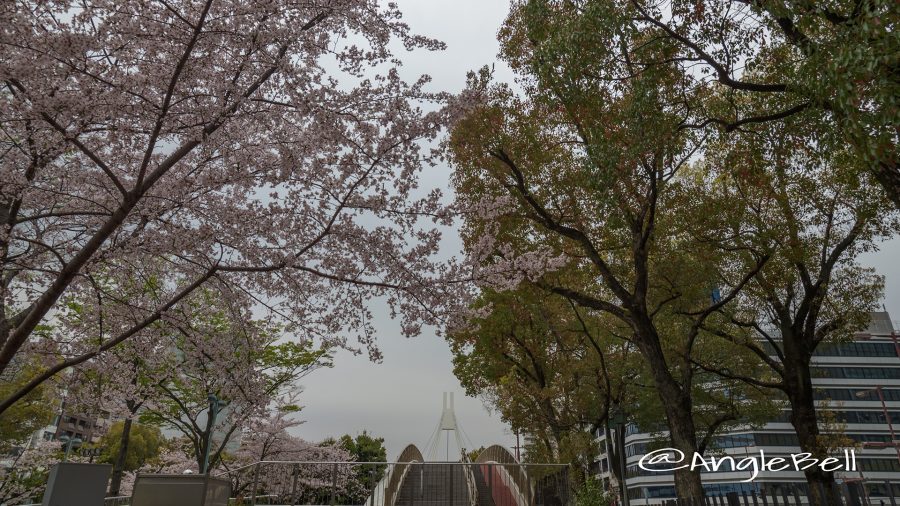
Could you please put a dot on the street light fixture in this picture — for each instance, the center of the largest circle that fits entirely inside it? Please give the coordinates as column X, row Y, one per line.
column 70, row 443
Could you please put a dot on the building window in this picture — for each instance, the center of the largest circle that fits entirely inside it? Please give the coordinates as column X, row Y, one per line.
column 770, row 439
column 857, row 372
column 850, row 394
column 873, row 417
column 879, row 465
column 853, row 349
column 857, row 349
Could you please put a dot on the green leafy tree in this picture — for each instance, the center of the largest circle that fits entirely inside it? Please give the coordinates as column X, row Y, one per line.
column 789, row 190
column 580, row 185
column 591, row 493
column 556, row 371
column 748, row 63
column 32, row 412
column 365, row 448
column 145, row 443
column 547, row 367
column 472, row 455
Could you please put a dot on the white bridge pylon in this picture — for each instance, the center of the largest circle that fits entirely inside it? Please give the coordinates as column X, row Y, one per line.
column 439, row 448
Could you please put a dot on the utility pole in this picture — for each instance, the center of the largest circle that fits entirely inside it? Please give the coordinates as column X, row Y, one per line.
column 617, row 419
column 518, row 447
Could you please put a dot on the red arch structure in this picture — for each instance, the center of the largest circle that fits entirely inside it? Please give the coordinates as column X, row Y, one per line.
column 507, row 477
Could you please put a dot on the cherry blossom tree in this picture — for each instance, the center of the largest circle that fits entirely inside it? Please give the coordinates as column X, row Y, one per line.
column 236, row 359
column 172, row 460
column 264, row 149
column 120, row 386
column 267, row 438
column 209, row 345
column 23, row 478
column 128, row 379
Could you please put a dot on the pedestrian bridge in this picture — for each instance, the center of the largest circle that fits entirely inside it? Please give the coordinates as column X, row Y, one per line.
column 495, row 478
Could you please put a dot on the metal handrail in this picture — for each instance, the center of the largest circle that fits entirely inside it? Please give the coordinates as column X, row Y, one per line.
column 305, row 462
column 394, row 463
column 386, row 492
column 470, row 480
column 258, row 466
column 394, row 479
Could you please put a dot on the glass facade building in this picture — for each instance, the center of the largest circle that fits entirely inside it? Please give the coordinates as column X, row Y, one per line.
column 851, row 378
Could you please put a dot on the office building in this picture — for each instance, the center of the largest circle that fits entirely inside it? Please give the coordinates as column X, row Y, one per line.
column 858, row 380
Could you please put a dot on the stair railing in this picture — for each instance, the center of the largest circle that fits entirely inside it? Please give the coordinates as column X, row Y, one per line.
column 470, row 479
column 393, row 480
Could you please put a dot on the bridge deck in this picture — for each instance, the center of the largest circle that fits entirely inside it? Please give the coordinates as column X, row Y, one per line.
column 434, row 485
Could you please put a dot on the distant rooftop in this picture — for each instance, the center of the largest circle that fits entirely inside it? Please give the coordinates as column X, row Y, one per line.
column 881, row 323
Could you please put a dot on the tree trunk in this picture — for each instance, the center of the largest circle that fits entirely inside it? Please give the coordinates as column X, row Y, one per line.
column 204, row 441
column 119, row 466
column 805, row 422
column 677, row 403
column 682, row 433
column 888, row 175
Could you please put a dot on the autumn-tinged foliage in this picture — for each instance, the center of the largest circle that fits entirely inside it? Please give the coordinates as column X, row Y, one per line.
column 803, row 195
column 661, row 217
column 750, row 63
column 584, row 170
column 551, row 370
column 632, row 173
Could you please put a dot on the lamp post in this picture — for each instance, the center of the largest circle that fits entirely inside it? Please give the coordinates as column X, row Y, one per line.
column 69, row 443
column 617, row 419
column 215, row 404
column 887, row 416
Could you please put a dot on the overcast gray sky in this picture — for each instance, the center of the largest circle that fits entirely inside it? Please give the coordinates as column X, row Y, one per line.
column 400, row 399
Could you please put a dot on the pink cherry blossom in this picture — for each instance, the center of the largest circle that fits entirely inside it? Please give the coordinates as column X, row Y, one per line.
column 23, row 475
column 266, row 149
